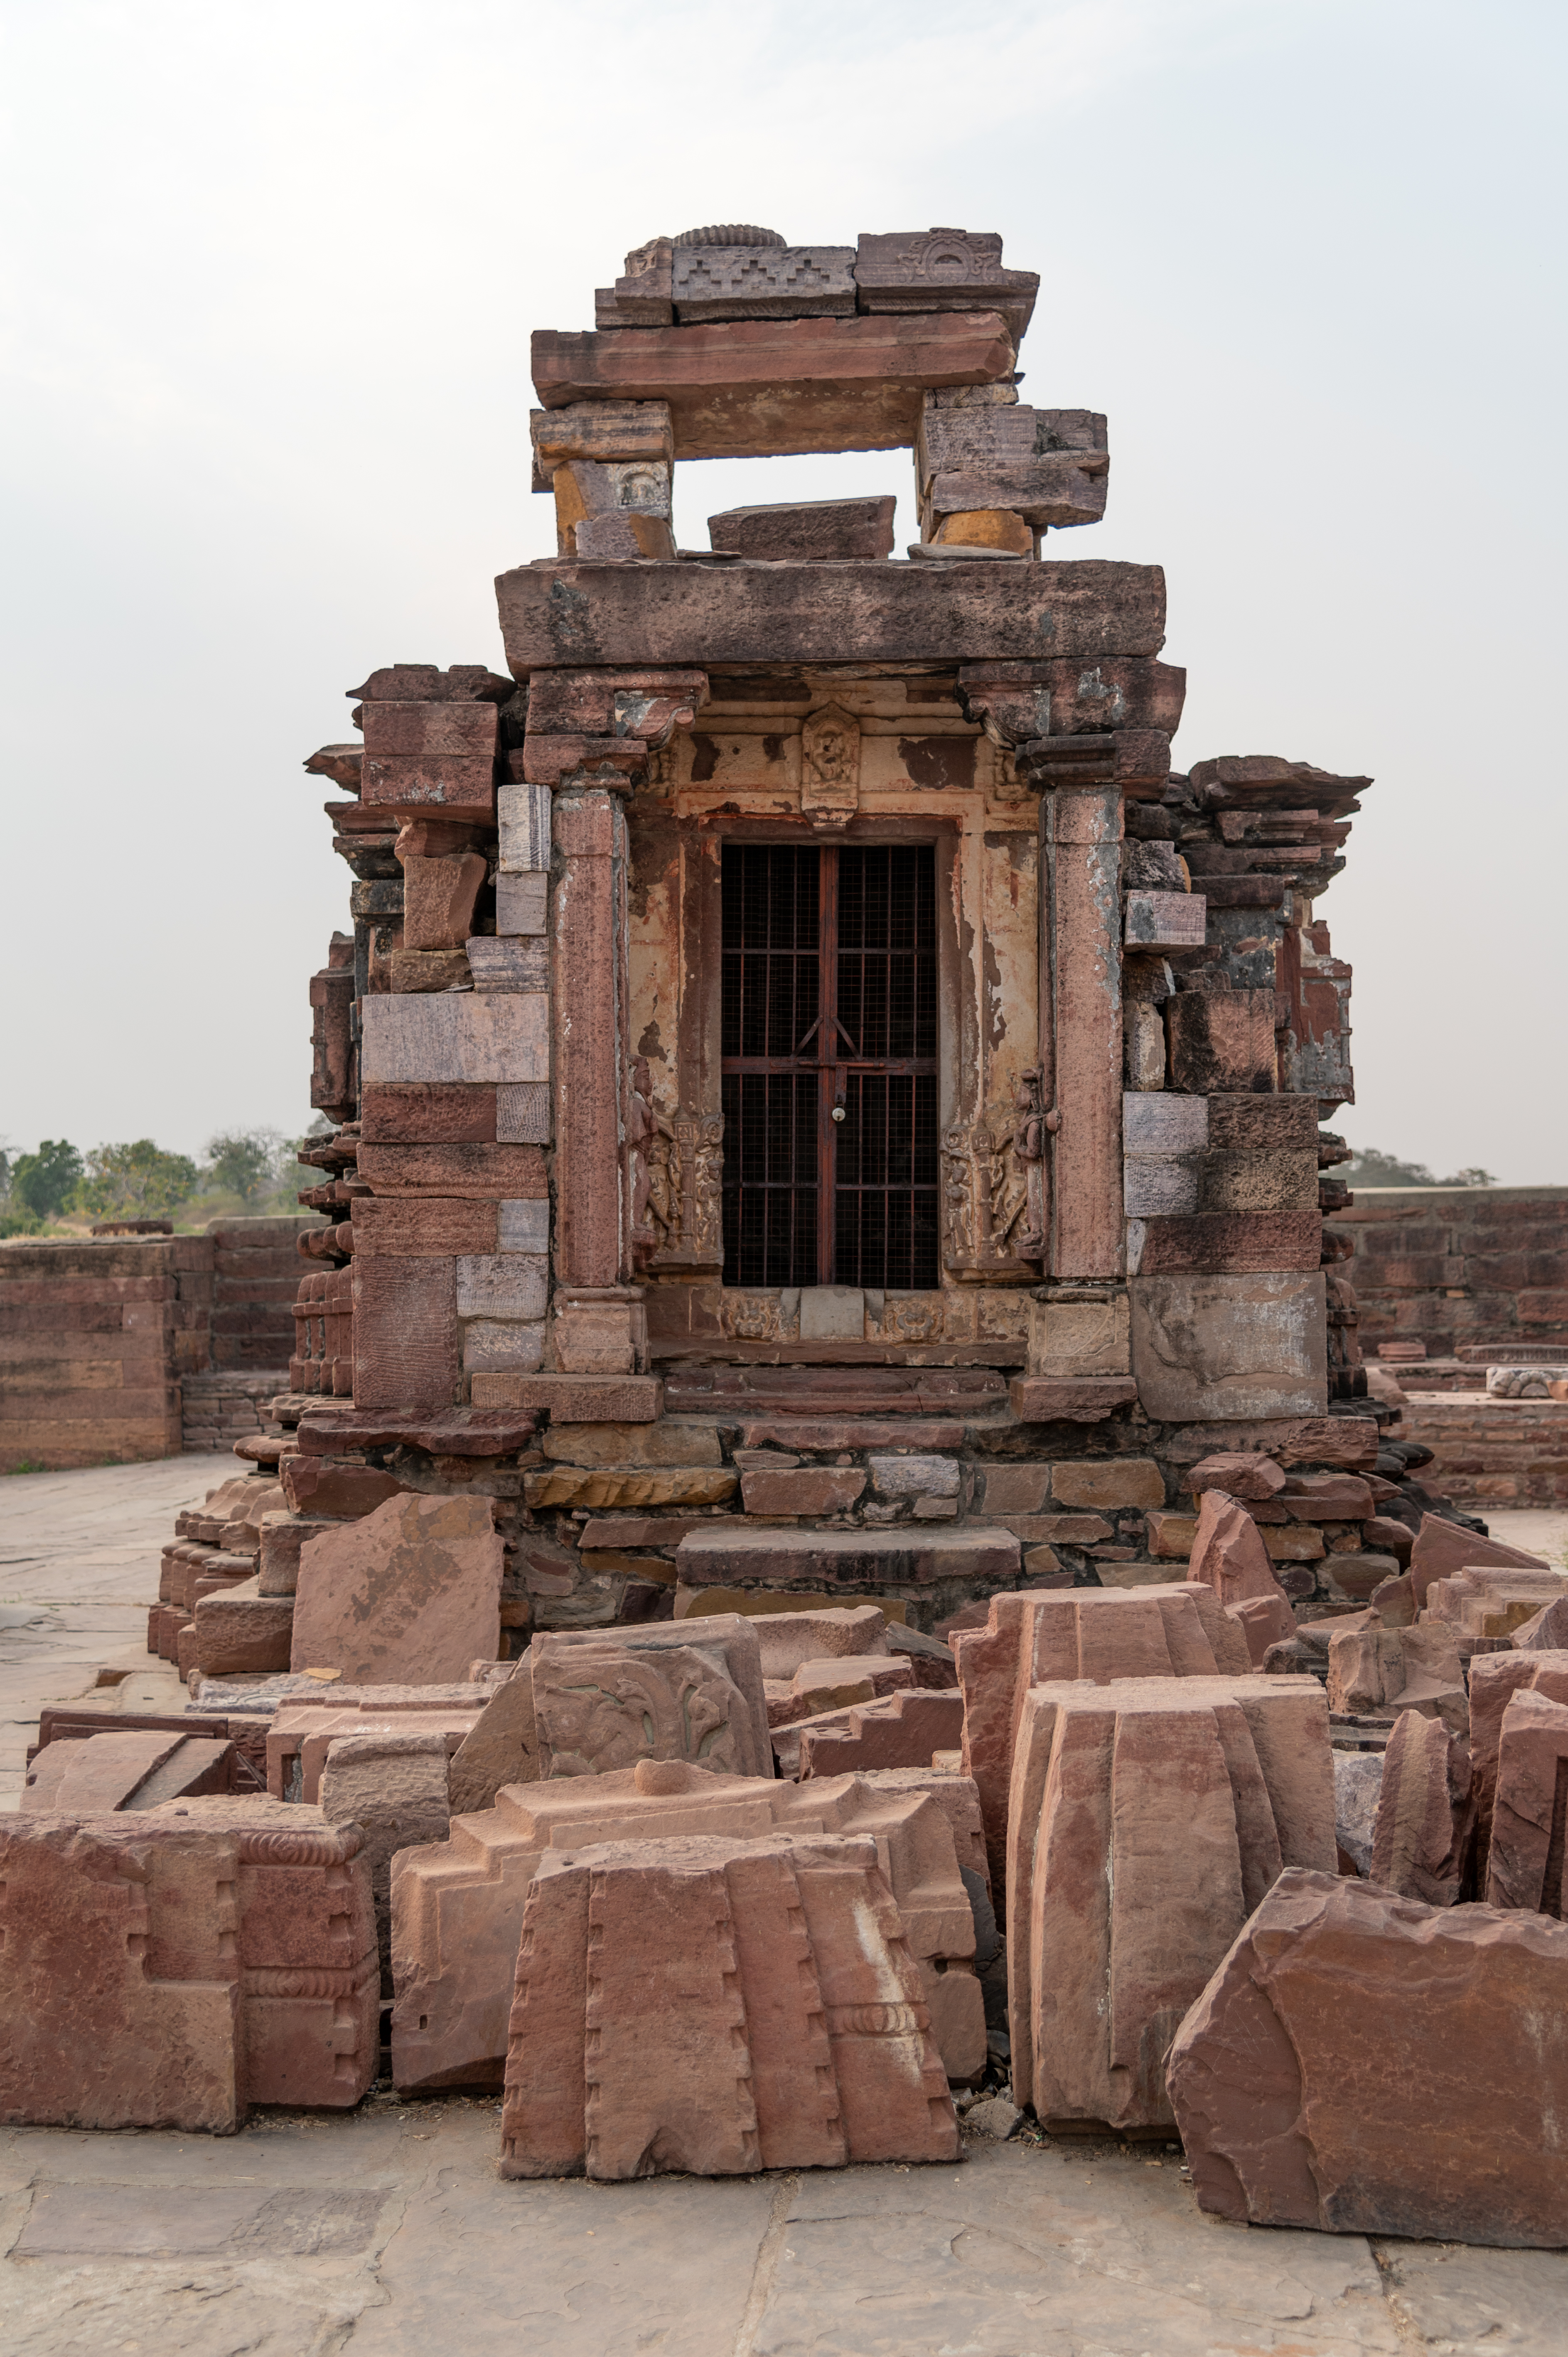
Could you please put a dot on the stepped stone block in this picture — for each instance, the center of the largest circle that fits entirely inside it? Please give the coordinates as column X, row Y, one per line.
column 1160, row 1631
column 837, row 1681
column 1441, row 1549
column 1264, row 1620
column 1424, row 1830
column 1147, row 1819
column 901, row 1731
column 748, row 2005
column 1311, row 2090
column 1525, row 1867
column 1490, row 1601
column 785, row 1640
column 457, row 1907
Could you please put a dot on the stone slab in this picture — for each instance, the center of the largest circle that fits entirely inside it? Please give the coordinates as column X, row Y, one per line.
column 1310, row 2091
column 411, row 1592
column 446, row 1036
column 1229, row 1348
column 846, row 1558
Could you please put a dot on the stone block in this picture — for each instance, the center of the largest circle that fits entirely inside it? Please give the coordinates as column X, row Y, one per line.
column 454, row 1035
column 511, row 1285
column 1229, row 1348
column 500, row 1748
column 1292, row 1542
column 751, row 2005
column 831, row 1313
column 787, row 1638
column 1164, row 921
column 523, row 814
column 759, row 388
column 1525, row 1861
column 1172, row 1536
column 1545, row 1632
column 575, row 1399
column 1258, row 1182
column 511, row 962
column 603, row 1700
column 457, row 1907
column 322, row 1487
column 829, row 613
column 1012, row 1489
column 136, row 1770
column 1222, row 1041
column 1264, row 1620
column 411, row 1592
column 749, row 281
column 1049, row 1399
column 1309, row 2091
column 522, row 904
column 901, row 1730
column 1424, row 1830
column 601, row 430
column 673, row 1440
column 438, row 896
column 1495, row 1679
column 809, row 528
column 1163, row 1629
column 493, row 1345
column 1490, row 1602
column 1229, row 1554
column 1158, row 1125
column 1229, row 1243
column 1106, row 1482
column 241, row 1632
column 1155, row 1189
column 458, row 1173
column 1147, row 1819
column 1254, row 1123
column 804, row 1489
column 522, row 1223
column 837, row 1681
column 939, row 270
column 428, row 1112
column 572, row 1485
column 914, row 1477
column 1074, row 1338
column 1373, row 1670
column 305, row 1726
column 393, row 1788
column 1443, row 1549
column 846, row 1559
column 522, row 1113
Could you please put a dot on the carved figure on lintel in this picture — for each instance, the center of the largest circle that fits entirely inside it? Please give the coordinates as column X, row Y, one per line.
column 830, row 783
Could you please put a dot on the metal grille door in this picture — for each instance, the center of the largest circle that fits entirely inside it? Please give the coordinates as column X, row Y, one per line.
column 830, row 1065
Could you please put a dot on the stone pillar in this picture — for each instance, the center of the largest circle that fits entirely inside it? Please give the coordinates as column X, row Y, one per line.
column 1081, row 1024
column 599, row 1323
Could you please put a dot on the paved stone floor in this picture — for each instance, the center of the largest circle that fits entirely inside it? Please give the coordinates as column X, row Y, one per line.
column 387, row 2231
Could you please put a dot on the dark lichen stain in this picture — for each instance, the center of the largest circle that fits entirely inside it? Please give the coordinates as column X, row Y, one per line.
column 705, row 758
column 941, row 763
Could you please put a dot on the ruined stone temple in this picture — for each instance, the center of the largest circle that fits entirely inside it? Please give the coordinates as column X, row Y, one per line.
column 802, row 1054
column 828, row 1563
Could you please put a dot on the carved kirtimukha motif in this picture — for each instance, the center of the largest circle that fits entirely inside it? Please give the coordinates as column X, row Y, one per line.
column 830, row 779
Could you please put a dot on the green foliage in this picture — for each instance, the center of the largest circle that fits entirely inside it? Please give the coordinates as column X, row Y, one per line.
column 1372, row 1168
column 245, row 1162
column 42, row 1182
column 20, row 1224
column 134, row 1181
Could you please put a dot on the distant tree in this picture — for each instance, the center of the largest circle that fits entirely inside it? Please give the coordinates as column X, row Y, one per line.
column 246, row 1162
column 1372, row 1168
column 42, row 1182
column 134, row 1181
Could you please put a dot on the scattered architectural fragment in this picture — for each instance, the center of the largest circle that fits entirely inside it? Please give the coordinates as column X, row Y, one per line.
column 1525, row 1863
column 169, row 1967
column 719, row 2006
column 1423, row 1836
column 412, row 1591
column 1372, row 1669
column 457, row 1907
column 1147, row 1819
column 1310, row 2090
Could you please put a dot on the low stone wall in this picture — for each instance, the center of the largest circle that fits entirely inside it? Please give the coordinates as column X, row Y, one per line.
column 219, row 1409
column 97, row 1338
column 1492, row 1452
column 1450, row 1265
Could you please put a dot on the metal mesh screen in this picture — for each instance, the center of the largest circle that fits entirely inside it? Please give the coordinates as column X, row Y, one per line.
column 830, row 998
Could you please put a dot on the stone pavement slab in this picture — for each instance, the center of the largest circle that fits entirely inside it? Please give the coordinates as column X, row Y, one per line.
column 79, row 1566
column 387, row 2234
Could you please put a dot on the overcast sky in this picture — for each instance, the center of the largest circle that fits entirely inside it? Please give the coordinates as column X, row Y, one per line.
column 267, row 285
